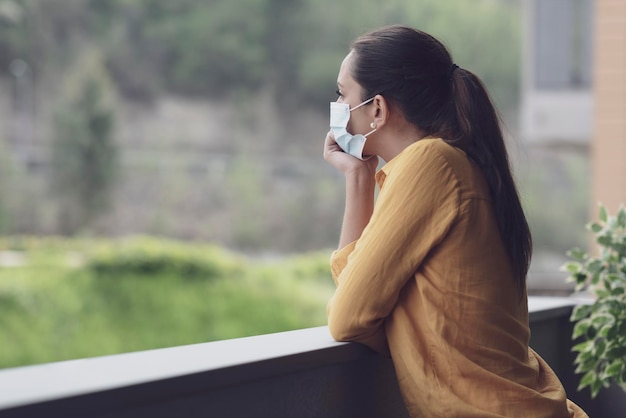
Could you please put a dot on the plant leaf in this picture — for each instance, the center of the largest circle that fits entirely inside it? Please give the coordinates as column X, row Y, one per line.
column 581, row 279
column 583, row 347
column 580, row 312
column 577, row 254
column 607, row 330
column 581, row 328
column 595, row 387
column 605, row 240
column 614, row 369
column 600, row 347
column 595, row 227
column 586, row 362
column 595, row 266
column 616, row 351
column 587, row 379
column 603, row 214
column 621, row 217
column 601, row 319
column 571, row 267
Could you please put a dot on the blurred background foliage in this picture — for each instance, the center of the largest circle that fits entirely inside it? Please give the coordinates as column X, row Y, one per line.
column 223, row 48
column 75, row 298
column 201, row 122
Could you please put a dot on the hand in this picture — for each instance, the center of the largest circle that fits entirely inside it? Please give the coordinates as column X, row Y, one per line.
column 360, row 185
column 345, row 162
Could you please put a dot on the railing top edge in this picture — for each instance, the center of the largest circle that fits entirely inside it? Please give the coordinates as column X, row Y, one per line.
column 542, row 308
column 311, row 347
column 43, row 382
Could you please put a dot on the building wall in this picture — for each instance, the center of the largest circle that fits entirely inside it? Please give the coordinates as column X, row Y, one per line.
column 609, row 137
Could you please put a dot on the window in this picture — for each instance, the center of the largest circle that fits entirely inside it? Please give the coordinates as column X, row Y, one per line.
column 562, row 44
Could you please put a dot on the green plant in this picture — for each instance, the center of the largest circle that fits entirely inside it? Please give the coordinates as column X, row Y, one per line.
column 145, row 256
column 143, row 293
column 601, row 325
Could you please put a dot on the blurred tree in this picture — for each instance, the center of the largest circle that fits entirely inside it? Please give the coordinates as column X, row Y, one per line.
column 284, row 53
column 223, row 47
column 12, row 37
column 134, row 58
column 84, row 154
column 209, row 49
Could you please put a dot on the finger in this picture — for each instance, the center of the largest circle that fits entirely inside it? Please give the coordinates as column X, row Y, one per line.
column 330, row 138
column 330, row 145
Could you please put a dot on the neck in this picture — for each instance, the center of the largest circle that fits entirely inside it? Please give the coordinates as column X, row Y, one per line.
column 393, row 142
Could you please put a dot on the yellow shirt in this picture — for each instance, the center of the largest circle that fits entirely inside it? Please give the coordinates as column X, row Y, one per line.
column 429, row 283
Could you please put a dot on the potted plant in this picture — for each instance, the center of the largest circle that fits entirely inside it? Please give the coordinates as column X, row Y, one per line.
column 600, row 326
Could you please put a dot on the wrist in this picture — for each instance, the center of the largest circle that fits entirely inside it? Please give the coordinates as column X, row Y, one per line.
column 361, row 173
column 360, row 190
column 360, row 179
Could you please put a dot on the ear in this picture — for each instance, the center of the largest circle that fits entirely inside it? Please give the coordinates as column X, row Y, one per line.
column 380, row 111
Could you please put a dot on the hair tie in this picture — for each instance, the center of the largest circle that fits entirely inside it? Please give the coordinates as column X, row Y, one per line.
column 451, row 71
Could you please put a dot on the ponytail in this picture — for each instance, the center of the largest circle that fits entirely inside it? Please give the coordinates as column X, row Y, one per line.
column 476, row 130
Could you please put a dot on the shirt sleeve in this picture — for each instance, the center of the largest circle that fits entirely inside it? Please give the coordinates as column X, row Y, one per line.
column 417, row 205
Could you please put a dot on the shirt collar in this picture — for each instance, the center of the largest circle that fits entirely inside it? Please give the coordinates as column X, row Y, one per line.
column 382, row 174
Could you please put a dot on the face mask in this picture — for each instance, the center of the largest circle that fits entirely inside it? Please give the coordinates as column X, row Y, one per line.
column 339, row 117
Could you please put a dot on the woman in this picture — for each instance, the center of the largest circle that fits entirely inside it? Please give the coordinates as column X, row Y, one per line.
column 434, row 272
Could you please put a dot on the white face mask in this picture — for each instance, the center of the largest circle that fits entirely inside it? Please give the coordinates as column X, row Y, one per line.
column 339, row 117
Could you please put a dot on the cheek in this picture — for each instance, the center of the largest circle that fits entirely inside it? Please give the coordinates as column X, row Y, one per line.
column 355, row 125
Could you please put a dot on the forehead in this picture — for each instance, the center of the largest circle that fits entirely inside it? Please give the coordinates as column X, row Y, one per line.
column 344, row 78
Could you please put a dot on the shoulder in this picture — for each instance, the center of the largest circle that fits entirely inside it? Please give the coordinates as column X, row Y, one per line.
column 426, row 156
column 437, row 147
column 425, row 168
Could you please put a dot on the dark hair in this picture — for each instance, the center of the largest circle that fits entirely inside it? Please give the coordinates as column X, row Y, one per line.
column 415, row 72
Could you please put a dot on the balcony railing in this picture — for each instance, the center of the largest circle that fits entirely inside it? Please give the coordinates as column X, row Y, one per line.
column 300, row 373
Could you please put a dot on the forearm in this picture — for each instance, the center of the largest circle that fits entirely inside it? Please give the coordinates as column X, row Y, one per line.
column 359, row 205
column 343, row 326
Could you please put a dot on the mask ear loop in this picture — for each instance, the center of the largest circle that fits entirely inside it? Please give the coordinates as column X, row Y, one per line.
column 362, row 104
column 370, row 132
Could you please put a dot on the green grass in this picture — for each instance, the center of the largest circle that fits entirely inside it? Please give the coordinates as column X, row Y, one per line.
column 82, row 298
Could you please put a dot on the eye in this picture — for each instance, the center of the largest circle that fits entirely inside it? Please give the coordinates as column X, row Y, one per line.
column 338, row 93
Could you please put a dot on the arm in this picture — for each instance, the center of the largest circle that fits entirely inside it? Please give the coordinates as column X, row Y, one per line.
column 360, row 185
column 416, row 207
column 359, row 205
